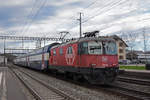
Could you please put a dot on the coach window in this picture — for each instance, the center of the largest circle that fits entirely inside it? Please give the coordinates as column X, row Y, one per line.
column 61, row 51
column 69, row 50
column 54, row 52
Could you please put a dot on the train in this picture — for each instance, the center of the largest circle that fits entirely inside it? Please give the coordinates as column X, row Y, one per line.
column 91, row 58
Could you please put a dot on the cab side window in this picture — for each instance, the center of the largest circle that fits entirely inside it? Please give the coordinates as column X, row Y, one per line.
column 54, row 52
column 69, row 50
column 83, row 48
column 61, row 51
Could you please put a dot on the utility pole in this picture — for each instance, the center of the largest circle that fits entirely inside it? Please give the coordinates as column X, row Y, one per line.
column 4, row 52
column 144, row 40
column 80, row 20
column 131, row 53
column 22, row 43
column 44, row 42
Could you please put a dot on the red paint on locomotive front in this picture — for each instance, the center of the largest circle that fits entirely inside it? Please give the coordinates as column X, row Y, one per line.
column 98, row 61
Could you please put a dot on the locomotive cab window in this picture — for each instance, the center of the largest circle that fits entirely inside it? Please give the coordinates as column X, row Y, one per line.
column 91, row 47
column 85, row 48
column 110, row 48
column 95, row 47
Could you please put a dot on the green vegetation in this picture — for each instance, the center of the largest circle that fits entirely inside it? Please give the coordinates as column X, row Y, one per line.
column 132, row 67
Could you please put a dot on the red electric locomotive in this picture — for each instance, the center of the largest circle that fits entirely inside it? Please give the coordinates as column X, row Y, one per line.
column 92, row 58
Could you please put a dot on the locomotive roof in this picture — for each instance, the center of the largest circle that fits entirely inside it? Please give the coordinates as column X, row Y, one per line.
column 85, row 39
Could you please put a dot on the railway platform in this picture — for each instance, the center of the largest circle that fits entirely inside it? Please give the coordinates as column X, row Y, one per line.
column 10, row 88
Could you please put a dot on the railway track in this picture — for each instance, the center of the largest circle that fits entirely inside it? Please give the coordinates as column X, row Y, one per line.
column 76, row 89
column 135, row 74
column 134, row 87
column 32, row 91
column 120, row 88
column 39, row 89
column 134, row 80
column 131, row 90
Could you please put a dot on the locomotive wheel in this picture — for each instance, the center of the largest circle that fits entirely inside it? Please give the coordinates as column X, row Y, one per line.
column 88, row 79
column 94, row 79
column 69, row 75
column 109, row 80
column 75, row 77
column 110, row 77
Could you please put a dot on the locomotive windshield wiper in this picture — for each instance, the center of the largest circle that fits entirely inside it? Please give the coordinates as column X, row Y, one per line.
column 95, row 48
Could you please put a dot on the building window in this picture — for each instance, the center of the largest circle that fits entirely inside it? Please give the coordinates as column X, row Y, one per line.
column 120, row 44
column 120, row 50
column 61, row 51
column 120, row 57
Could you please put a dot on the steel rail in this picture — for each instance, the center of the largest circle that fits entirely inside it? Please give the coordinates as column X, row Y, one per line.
column 55, row 90
column 32, row 91
column 134, row 80
column 138, row 95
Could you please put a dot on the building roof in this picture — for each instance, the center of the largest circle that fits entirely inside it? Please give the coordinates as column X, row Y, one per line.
column 118, row 38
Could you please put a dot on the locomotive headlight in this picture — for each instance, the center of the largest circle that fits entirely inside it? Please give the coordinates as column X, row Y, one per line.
column 93, row 65
column 114, row 64
column 104, row 59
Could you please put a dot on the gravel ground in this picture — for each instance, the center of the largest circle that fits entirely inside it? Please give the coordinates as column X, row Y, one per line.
column 76, row 91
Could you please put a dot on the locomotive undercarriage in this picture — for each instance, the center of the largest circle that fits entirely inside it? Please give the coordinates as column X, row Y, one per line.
column 92, row 75
column 101, row 76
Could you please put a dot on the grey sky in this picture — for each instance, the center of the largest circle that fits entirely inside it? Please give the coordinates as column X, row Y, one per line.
column 48, row 17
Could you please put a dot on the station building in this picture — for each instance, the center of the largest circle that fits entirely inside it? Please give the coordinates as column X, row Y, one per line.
column 121, row 45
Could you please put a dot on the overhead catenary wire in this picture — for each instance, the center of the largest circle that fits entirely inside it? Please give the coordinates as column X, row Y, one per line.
column 32, row 14
column 92, row 3
column 103, row 11
column 29, row 15
column 35, row 15
column 110, row 5
column 71, row 18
